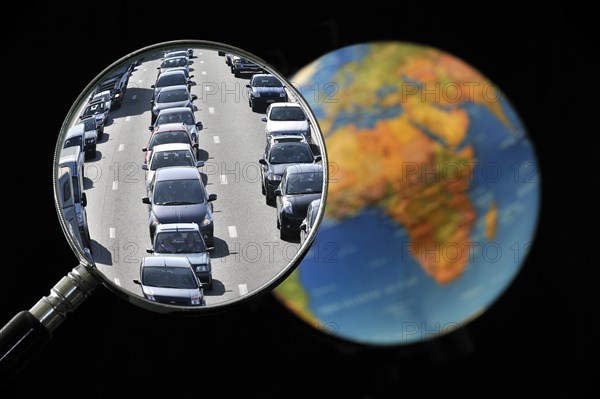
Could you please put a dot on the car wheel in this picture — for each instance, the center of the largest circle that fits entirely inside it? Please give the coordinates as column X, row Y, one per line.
column 283, row 233
column 278, row 224
column 268, row 199
column 236, row 74
column 262, row 188
column 254, row 107
column 93, row 153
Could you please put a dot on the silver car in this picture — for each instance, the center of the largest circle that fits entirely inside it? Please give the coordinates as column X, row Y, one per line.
column 165, row 155
column 172, row 97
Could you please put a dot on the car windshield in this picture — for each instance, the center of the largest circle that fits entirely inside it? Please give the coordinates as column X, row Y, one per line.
column 89, row 124
column 104, row 97
column 93, row 109
column 172, row 96
column 72, row 142
column 168, row 277
column 304, row 183
column 176, row 136
column 171, row 80
column 287, row 114
column 266, row 81
column 176, row 117
column 165, row 159
column 178, row 192
column 174, row 62
column 287, row 153
column 176, row 242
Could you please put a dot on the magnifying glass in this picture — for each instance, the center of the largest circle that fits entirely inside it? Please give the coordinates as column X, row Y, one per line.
column 182, row 174
column 433, row 196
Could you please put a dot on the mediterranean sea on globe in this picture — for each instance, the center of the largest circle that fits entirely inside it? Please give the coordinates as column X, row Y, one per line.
column 433, row 197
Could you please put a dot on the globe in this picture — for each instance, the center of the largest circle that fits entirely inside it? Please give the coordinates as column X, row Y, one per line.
column 432, row 201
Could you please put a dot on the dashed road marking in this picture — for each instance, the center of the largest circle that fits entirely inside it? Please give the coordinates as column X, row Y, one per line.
column 243, row 289
column 115, row 185
column 203, row 72
column 112, row 232
column 145, row 69
column 232, row 232
column 121, row 147
column 127, row 119
column 224, row 180
column 216, row 139
column 202, row 62
column 211, row 110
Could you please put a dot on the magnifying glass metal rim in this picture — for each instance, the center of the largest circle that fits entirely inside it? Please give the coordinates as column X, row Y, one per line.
column 84, row 255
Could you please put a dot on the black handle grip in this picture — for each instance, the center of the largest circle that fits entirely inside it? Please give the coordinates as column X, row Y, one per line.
column 20, row 340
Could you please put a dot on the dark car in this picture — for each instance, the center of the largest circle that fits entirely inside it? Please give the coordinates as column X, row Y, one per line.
column 265, row 89
column 300, row 185
column 184, row 239
column 170, row 280
column 277, row 157
column 168, row 134
column 309, row 221
column 172, row 97
column 177, row 195
column 170, row 78
column 242, row 66
column 97, row 110
column 179, row 115
column 116, row 85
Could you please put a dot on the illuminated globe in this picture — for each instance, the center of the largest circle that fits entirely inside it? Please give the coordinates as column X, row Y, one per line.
column 433, row 196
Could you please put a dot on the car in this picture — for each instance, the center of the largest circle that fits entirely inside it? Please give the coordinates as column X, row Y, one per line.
column 242, row 66
column 265, row 89
column 66, row 202
column 277, row 157
column 116, row 85
column 174, row 62
column 170, row 280
column 103, row 96
column 175, row 53
column 286, row 118
column 172, row 97
column 170, row 78
column 165, row 155
column 184, row 239
column 72, row 158
column 98, row 110
column 309, row 221
column 167, row 134
column 83, row 135
column 183, row 69
column 300, row 185
column 188, row 52
column 179, row 115
column 228, row 59
column 177, row 195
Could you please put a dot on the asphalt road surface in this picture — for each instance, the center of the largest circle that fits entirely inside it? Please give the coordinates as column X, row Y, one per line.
column 248, row 252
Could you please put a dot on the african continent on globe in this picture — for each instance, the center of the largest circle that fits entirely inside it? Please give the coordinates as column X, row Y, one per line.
column 432, row 200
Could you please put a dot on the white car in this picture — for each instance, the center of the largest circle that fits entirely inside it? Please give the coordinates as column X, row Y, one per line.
column 165, row 155
column 103, row 96
column 286, row 118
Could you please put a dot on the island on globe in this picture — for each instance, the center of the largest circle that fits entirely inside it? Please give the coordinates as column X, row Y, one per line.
column 432, row 200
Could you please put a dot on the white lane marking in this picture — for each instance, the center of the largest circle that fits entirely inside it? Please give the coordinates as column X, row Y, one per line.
column 140, row 81
column 202, row 62
column 216, row 139
column 134, row 97
column 127, row 119
column 208, row 88
column 232, row 232
column 117, row 282
column 243, row 289
column 112, row 232
column 145, row 69
column 211, row 110
column 121, row 147
column 115, row 185
column 203, row 72
column 224, row 180
column 199, row 53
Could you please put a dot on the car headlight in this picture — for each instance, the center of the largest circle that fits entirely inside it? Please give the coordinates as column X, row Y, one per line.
column 196, row 300
column 287, row 207
column 150, row 297
column 117, row 95
column 202, row 268
column 207, row 219
column 153, row 220
column 274, row 177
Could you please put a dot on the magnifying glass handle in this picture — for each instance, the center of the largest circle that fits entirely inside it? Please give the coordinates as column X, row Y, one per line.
column 23, row 336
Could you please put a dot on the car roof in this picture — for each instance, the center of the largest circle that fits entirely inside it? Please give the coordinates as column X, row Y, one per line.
column 76, row 130
column 69, row 154
column 304, row 168
column 168, row 261
column 175, row 110
column 175, row 51
column 282, row 105
column 170, row 147
column 177, row 173
column 174, row 71
column 173, row 88
column 181, row 56
column 170, row 127
column 177, row 227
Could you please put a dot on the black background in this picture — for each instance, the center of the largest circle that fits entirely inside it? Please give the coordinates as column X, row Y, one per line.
column 536, row 338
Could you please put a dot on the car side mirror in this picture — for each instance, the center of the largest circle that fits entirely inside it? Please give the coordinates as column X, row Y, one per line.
column 248, row 86
column 263, row 119
column 137, row 282
column 157, row 67
column 195, row 145
column 83, row 200
column 151, row 128
column 149, row 250
column 153, row 87
column 199, row 164
column 212, row 197
column 194, row 97
column 262, row 161
column 146, row 200
column 199, row 125
column 277, row 192
column 145, row 166
column 191, row 76
column 144, row 149
column 318, row 158
column 303, row 227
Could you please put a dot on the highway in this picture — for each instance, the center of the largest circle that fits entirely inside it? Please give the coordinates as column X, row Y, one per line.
column 248, row 252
